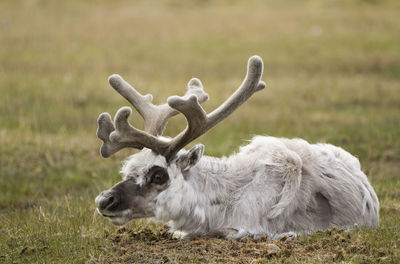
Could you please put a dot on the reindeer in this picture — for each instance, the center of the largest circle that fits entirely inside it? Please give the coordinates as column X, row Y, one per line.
column 272, row 187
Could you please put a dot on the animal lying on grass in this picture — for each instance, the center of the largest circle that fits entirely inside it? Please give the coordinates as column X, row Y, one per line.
column 272, row 187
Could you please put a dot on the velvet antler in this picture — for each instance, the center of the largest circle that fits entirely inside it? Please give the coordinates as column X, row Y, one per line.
column 156, row 117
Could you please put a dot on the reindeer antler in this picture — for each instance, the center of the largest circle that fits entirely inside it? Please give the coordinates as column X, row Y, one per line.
column 189, row 105
column 155, row 118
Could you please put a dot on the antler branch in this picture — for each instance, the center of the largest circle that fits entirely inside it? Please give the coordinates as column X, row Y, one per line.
column 155, row 116
column 123, row 135
column 199, row 122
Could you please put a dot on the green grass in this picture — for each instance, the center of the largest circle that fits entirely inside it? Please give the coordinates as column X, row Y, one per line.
column 333, row 75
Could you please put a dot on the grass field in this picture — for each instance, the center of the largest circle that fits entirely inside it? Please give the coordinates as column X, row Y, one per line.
column 332, row 70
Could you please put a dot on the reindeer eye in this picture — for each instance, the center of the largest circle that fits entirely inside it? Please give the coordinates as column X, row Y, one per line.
column 160, row 177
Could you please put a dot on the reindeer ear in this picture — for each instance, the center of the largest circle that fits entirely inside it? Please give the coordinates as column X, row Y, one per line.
column 190, row 158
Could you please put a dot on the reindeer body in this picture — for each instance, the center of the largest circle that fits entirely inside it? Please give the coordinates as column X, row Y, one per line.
column 272, row 186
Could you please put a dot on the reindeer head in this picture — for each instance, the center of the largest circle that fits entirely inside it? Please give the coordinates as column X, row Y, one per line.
column 162, row 162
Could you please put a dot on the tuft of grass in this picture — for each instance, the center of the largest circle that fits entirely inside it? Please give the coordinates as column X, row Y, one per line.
column 332, row 70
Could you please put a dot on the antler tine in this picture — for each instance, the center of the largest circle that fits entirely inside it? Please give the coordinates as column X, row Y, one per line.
column 105, row 127
column 155, row 116
column 252, row 83
column 123, row 135
column 199, row 122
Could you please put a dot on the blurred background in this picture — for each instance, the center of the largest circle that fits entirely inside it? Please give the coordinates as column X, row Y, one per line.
column 332, row 69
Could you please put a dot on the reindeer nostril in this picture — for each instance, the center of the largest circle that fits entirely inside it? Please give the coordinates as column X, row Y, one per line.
column 106, row 202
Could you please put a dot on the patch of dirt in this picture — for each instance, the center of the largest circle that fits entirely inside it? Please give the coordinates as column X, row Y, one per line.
column 29, row 250
column 148, row 246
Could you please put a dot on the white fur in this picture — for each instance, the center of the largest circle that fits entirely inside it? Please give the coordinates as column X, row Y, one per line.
column 270, row 187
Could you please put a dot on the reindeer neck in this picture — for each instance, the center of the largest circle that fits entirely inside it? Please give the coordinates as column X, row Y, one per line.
column 213, row 165
column 209, row 189
column 224, row 174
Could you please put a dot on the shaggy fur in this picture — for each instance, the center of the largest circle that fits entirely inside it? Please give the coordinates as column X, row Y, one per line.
column 272, row 186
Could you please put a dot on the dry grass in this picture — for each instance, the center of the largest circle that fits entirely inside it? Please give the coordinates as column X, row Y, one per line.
column 155, row 245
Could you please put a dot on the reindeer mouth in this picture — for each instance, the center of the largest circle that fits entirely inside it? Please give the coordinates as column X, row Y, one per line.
column 105, row 215
column 108, row 215
column 121, row 218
